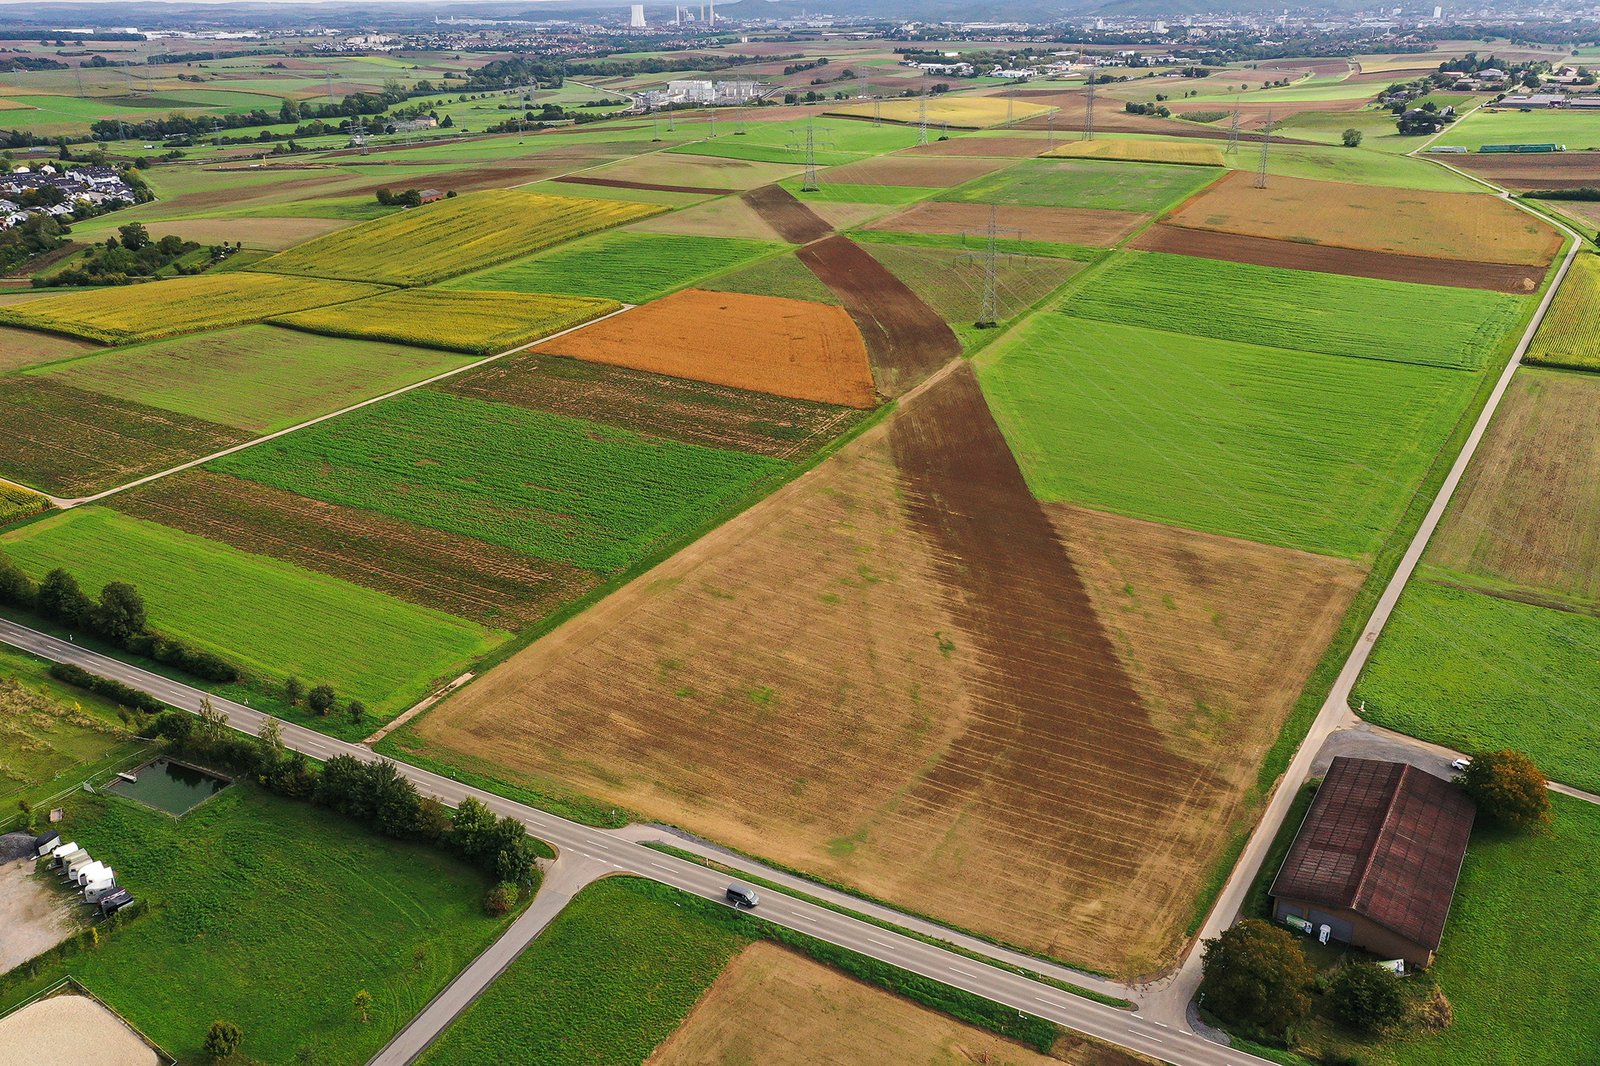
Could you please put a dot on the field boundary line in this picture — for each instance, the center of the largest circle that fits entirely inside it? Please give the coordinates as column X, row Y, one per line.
column 417, row 708
column 66, row 504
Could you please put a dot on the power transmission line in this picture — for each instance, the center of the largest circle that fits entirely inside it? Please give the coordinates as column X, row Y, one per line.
column 1088, row 110
column 990, row 258
column 1266, row 142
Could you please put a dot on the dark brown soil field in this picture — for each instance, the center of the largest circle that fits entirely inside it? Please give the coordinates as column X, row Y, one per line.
column 462, row 576
column 622, row 183
column 1392, row 266
column 988, row 147
column 72, row 442
column 1559, row 170
column 794, row 221
column 906, row 338
column 916, row 171
column 1063, row 225
column 677, row 408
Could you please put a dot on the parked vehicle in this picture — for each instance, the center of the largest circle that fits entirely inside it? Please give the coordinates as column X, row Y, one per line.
column 1460, row 765
column 743, row 897
column 94, row 893
column 115, row 901
column 62, row 853
column 70, row 869
column 45, row 843
column 90, row 872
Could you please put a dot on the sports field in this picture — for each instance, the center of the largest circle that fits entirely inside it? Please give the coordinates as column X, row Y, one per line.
column 560, row 488
column 254, row 378
column 477, row 323
column 623, row 265
column 1308, row 451
column 271, row 618
column 450, row 237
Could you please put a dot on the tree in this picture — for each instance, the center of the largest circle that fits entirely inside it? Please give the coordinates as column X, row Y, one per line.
column 1509, row 788
column 269, row 746
column 59, row 597
column 472, row 827
column 357, row 711
column 393, row 800
column 1352, row 138
column 500, row 899
column 223, row 1040
column 321, row 699
column 342, row 784
column 363, row 1005
column 213, row 725
column 293, row 691
column 133, row 235
column 1367, row 997
column 16, row 588
column 121, row 615
column 1257, row 976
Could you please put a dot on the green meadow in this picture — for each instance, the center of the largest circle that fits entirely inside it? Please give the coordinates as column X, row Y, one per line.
column 269, row 617
column 1309, row 451
column 1578, row 130
column 836, row 142
column 1112, row 186
column 1478, row 672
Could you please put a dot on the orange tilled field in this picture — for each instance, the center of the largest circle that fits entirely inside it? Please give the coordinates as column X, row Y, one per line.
column 1446, row 225
column 767, row 344
column 903, row 673
column 1065, row 225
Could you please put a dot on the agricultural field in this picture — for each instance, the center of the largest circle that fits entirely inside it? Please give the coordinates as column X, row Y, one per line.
column 565, row 489
column 477, row 323
column 1080, row 183
column 258, row 379
column 450, row 237
column 621, row 265
column 962, row 111
column 914, row 171
column 1358, row 317
column 24, row 347
column 272, row 619
column 162, row 309
column 1576, row 129
column 727, row 216
column 1052, row 225
column 1262, row 445
column 764, row 343
column 72, row 442
column 1569, row 336
column 1439, row 224
column 784, row 276
column 16, row 503
column 864, row 657
column 1185, row 153
column 332, row 907
column 951, row 282
column 1525, row 520
column 837, row 143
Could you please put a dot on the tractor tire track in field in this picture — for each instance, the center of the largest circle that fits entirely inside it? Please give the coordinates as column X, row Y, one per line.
column 1062, row 737
column 906, row 338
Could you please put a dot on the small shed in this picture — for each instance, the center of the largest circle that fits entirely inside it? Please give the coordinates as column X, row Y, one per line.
column 1376, row 861
column 430, row 195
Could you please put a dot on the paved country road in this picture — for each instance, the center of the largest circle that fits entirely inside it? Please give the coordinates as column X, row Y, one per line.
column 604, row 851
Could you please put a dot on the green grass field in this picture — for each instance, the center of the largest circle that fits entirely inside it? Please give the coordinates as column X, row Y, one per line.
column 556, row 487
column 1297, row 449
column 271, row 914
column 269, row 617
column 783, row 275
column 1478, row 672
column 1363, row 317
column 1382, row 164
column 838, row 141
column 846, row 193
column 622, row 265
column 1113, row 186
column 611, row 978
column 1578, row 130
column 257, row 378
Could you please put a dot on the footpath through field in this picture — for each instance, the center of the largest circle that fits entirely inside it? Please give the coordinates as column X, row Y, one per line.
column 611, row 852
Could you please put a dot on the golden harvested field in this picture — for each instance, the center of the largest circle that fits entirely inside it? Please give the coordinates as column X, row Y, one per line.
column 478, row 323
column 180, row 305
column 792, row 348
column 1188, row 153
column 778, row 1008
column 25, row 347
column 454, row 236
column 1528, row 510
column 962, row 112
column 818, row 683
column 1570, row 333
column 1443, row 225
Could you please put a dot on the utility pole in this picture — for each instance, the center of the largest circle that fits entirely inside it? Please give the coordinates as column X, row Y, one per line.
column 922, row 111
column 810, row 183
column 877, row 110
column 989, row 315
column 1233, row 135
column 1050, row 129
column 1088, row 110
column 1266, row 142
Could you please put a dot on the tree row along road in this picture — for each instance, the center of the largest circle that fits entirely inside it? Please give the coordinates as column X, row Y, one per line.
column 619, row 855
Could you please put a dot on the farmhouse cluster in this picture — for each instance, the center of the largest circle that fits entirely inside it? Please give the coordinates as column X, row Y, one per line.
column 45, row 189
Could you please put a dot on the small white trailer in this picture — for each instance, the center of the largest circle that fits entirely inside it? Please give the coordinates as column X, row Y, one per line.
column 45, row 843
column 78, row 862
column 84, row 874
column 62, row 851
column 93, row 894
column 104, row 879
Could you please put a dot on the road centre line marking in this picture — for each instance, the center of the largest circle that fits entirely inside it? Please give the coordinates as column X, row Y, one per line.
column 962, row 972
column 658, row 866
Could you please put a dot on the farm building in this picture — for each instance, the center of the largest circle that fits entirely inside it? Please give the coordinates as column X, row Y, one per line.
column 1376, row 859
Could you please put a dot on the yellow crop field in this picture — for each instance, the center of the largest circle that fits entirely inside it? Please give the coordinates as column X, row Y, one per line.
column 478, row 323
column 1193, row 154
column 161, row 309
column 1569, row 336
column 17, row 502
column 465, row 233
column 962, row 112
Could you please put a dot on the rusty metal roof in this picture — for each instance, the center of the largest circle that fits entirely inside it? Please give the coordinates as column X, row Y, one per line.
column 1385, row 840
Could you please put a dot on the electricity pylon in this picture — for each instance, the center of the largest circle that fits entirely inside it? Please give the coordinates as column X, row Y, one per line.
column 989, row 256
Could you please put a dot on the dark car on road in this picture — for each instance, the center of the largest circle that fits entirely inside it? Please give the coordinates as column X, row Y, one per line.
column 740, row 896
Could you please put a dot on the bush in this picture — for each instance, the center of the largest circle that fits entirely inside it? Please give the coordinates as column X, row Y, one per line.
column 223, row 1040
column 1257, row 976
column 115, row 691
column 60, row 599
column 357, row 711
column 321, row 699
column 16, row 588
column 1367, row 997
column 120, row 616
column 294, row 690
column 500, row 899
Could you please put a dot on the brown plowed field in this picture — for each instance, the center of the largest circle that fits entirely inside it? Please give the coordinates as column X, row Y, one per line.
column 899, row 672
column 1065, row 225
column 676, row 408
column 622, row 183
column 1559, row 170
column 1446, row 225
column 916, row 171
column 905, row 337
column 768, row 344
column 1262, row 251
column 794, row 221
column 462, row 576
column 990, row 147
